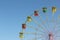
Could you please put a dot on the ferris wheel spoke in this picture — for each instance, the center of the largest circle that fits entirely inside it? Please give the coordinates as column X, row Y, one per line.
column 34, row 33
column 55, row 23
column 47, row 21
column 58, row 31
column 39, row 25
column 58, row 19
column 36, row 38
column 30, row 33
column 42, row 38
column 55, row 27
column 57, row 36
column 35, row 29
column 43, row 22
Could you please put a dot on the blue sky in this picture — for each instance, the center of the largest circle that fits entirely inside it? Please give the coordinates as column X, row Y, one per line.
column 14, row 12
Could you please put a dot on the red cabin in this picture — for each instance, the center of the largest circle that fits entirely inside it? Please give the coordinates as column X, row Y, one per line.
column 23, row 26
column 35, row 13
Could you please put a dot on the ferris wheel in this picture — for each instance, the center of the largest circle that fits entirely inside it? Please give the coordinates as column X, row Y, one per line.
column 41, row 26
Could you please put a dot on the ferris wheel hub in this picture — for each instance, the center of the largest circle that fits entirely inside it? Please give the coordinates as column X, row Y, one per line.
column 51, row 36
